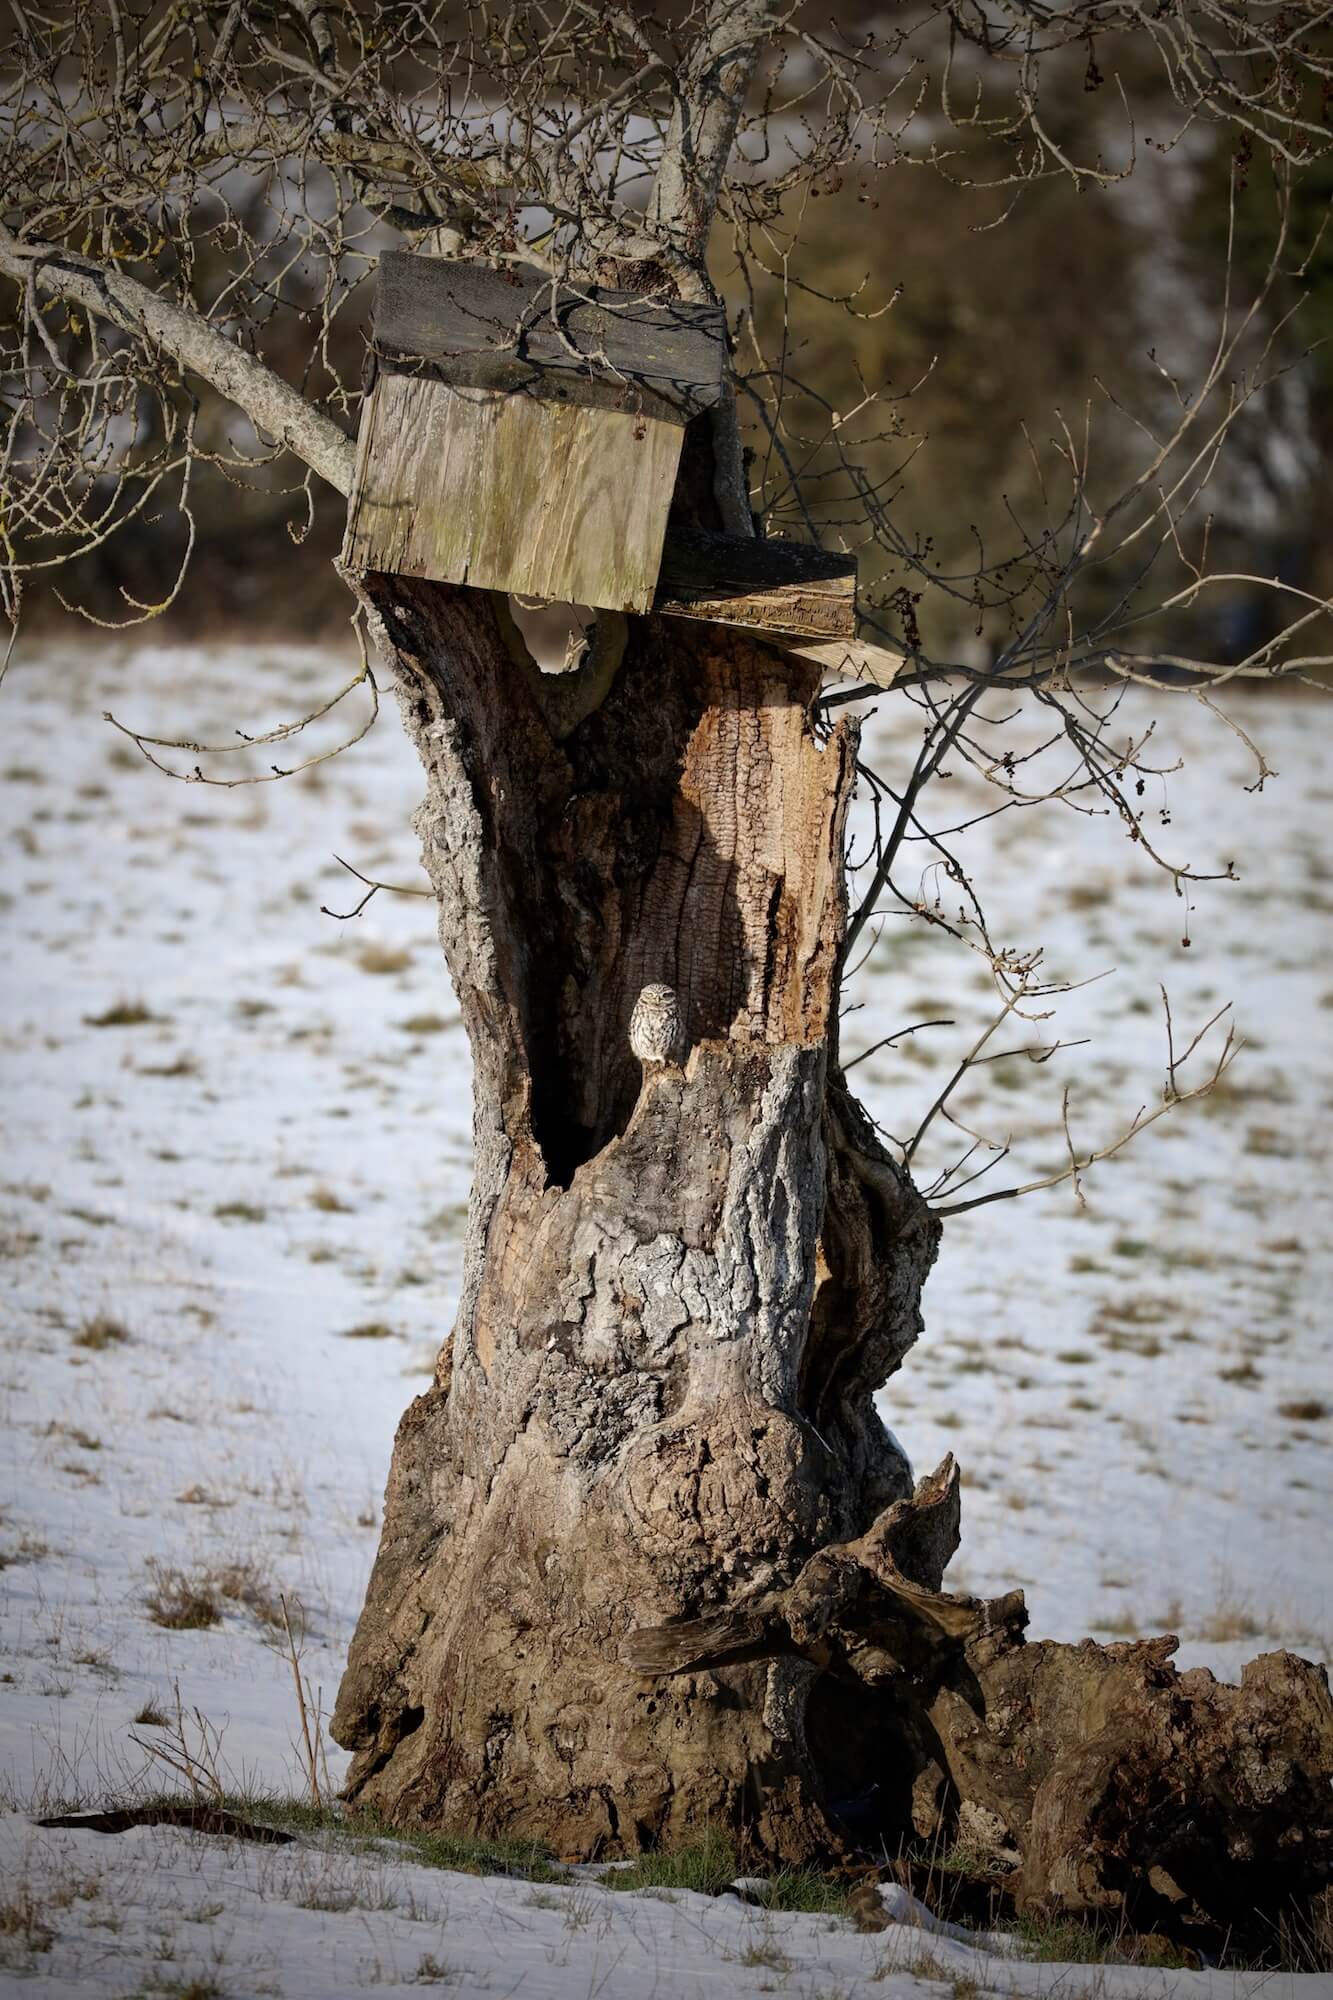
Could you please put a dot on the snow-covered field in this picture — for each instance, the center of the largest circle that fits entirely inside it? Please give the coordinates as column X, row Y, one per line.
column 158, row 1913
column 255, row 1170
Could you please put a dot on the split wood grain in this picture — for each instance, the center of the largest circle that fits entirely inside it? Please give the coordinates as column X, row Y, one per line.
column 782, row 588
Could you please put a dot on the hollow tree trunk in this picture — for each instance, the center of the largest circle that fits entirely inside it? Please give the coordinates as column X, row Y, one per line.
column 650, row 1560
column 681, row 1288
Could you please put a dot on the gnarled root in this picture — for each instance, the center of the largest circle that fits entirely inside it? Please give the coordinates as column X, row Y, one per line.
column 1131, row 1793
column 1142, row 1796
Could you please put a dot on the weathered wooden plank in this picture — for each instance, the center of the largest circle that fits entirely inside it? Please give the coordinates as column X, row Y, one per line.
column 480, row 328
column 511, row 493
column 778, row 587
column 851, row 660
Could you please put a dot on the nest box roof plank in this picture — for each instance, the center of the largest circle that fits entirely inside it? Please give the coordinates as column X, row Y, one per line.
column 518, row 329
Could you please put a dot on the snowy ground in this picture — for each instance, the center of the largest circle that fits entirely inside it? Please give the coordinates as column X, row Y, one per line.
column 172, row 1914
column 262, row 1183
column 1139, row 1389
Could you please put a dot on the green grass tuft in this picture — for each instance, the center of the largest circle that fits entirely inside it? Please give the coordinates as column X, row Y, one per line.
column 710, row 1864
column 1066, row 1941
column 358, row 1830
column 806, row 1889
column 706, row 1867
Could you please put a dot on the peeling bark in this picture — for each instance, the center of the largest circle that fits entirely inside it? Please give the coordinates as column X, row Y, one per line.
column 658, row 1393
column 650, row 1559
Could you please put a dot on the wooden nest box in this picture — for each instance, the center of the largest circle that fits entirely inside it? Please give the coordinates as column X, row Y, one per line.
column 524, row 436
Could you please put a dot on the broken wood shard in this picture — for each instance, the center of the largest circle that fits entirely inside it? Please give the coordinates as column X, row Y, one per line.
column 851, row 660
column 867, row 1608
column 763, row 587
column 524, row 436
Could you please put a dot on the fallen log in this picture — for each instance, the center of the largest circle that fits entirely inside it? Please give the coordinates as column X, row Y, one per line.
column 1134, row 1796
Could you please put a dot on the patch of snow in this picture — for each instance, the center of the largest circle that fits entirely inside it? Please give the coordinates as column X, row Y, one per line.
column 905, row 1908
column 156, row 1908
column 264, row 1182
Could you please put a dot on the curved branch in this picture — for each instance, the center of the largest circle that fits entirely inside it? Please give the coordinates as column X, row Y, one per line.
column 271, row 404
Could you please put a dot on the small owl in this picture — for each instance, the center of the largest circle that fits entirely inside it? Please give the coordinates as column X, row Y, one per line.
column 656, row 1031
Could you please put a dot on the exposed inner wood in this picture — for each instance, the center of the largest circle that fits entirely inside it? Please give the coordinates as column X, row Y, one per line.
column 743, row 906
column 686, row 830
column 762, row 586
column 651, row 1562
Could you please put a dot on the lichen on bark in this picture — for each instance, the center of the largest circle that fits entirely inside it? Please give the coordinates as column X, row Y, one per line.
column 658, row 1395
column 651, row 1561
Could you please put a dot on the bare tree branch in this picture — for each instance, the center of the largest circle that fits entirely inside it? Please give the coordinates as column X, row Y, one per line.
column 270, row 403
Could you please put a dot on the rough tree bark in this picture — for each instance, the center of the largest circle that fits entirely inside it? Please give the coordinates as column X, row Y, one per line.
column 650, row 1560
column 680, row 1290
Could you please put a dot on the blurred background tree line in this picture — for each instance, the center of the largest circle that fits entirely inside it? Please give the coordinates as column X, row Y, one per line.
column 942, row 330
